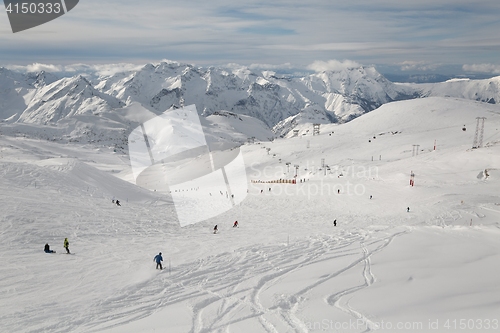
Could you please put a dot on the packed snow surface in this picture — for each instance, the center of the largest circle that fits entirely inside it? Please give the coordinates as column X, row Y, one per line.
column 286, row 268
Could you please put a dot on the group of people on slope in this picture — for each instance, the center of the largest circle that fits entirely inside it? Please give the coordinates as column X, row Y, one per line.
column 159, row 258
column 65, row 245
column 235, row 224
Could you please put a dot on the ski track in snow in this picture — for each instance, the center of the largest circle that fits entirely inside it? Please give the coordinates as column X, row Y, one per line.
column 369, row 279
column 231, row 282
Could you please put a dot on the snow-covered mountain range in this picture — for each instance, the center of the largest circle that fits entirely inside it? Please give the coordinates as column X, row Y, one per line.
column 89, row 108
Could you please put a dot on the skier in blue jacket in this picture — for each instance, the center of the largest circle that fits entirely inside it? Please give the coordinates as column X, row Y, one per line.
column 158, row 260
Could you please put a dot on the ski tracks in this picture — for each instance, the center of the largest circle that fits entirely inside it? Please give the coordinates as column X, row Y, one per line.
column 286, row 261
column 369, row 279
column 446, row 219
column 225, row 291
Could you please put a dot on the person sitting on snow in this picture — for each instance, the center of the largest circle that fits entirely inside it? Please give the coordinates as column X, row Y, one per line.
column 47, row 249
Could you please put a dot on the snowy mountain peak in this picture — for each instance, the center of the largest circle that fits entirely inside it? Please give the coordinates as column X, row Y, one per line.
column 67, row 97
column 42, row 78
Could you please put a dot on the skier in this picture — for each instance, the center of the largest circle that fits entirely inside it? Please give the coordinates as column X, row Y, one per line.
column 370, row 197
column 47, row 249
column 118, row 202
column 334, row 223
column 158, row 260
column 215, row 229
column 407, row 209
column 235, row 224
column 338, row 191
column 66, row 245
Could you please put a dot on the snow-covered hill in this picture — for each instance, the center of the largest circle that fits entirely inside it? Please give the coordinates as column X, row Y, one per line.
column 286, row 268
column 487, row 90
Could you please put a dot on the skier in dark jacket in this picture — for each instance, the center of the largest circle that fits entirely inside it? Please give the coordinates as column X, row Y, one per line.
column 215, row 229
column 158, row 259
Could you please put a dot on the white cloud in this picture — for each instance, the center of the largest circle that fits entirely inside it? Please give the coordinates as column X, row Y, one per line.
column 332, row 65
column 36, row 67
column 271, row 67
column 106, row 69
column 482, row 68
column 418, row 66
column 235, row 66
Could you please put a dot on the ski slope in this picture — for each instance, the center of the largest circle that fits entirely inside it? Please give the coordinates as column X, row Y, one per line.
column 286, row 268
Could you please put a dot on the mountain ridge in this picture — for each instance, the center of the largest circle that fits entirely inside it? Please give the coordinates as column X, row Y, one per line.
column 279, row 102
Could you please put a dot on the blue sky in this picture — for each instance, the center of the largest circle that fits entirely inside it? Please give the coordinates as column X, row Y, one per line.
column 420, row 36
